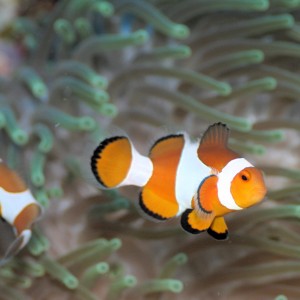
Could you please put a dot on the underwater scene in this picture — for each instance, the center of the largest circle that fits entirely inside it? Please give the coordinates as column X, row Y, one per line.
column 208, row 93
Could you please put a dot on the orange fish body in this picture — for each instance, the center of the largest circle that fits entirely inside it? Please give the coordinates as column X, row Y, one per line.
column 17, row 207
column 201, row 181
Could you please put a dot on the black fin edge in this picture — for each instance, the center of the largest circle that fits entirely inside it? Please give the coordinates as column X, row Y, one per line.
column 165, row 138
column 97, row 155
column 149, row 212
column 185, row 224
column 219, row 124
column 215, row 125
column 218, row 236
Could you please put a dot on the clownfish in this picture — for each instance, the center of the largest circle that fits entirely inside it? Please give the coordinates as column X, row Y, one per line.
column 200, row 181
column 17, row 207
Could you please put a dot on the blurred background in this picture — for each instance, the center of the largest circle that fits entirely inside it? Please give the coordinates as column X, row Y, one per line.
column 73, row 72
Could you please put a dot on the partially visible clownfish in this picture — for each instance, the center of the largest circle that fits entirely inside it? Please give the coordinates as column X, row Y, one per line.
column 17, row 207
column 201, row 181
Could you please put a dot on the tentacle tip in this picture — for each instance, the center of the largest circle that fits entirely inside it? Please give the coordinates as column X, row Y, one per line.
column 71, row 282
column 141, row 36
column 87, row 123
column 224, row 89
column 20, row 137
column 180, row 31
column 261, row 5
column 271, row 83
column 243, row 125
column 288, row 19
column 106, row 9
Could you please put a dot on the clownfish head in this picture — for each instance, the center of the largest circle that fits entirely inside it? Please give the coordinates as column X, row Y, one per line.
column 248, row 187
column 240, row 185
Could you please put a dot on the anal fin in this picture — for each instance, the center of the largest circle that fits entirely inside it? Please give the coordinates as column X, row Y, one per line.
column 156, row 206
column 218, row 229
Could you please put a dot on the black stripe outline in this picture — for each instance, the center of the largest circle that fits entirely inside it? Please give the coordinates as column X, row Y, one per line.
column 198, row 196
column 148, row 211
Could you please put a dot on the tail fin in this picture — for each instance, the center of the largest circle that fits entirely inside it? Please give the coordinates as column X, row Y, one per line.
column 116, row 163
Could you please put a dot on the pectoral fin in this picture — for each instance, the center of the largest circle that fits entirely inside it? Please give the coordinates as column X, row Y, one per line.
column 193, row 223
column 218, row 229
column 18, row 244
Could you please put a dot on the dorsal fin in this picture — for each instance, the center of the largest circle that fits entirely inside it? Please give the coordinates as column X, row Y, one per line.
column 213, row 150
column 216, row 135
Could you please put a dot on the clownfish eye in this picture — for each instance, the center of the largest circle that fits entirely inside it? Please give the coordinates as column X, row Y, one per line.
column 245, row 176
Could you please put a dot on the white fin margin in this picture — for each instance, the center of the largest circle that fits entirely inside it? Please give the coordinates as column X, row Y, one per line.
column 13, row 203
column 26, row 235
column 140, row 170
column 224, row 182
column 18, row 244
column 190, row 172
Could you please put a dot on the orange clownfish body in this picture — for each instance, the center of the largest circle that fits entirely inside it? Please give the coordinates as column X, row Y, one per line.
column 17, row 207
column 201, row 181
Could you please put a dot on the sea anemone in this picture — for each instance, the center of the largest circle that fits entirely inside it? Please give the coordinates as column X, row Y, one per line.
column 73, row 72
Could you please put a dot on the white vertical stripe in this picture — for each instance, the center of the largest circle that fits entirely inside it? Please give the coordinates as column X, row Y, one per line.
column 140, row 170
column 190, row 172
column 224, row 182
column 13, row 203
